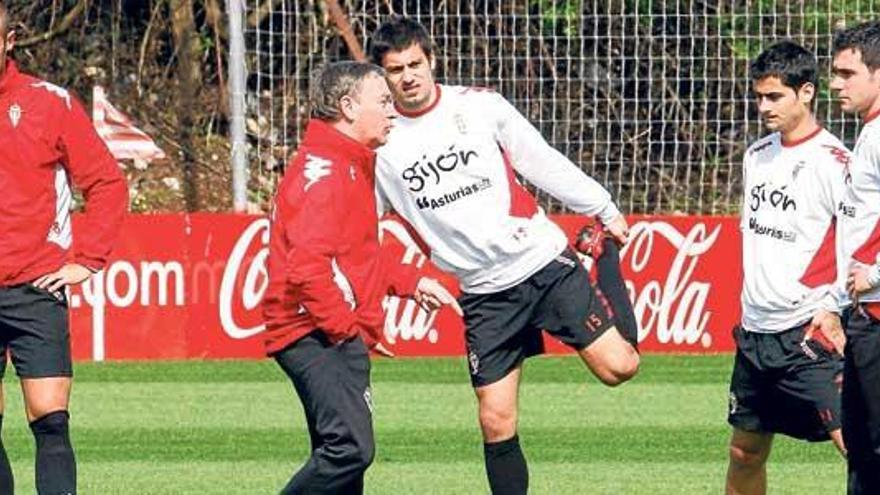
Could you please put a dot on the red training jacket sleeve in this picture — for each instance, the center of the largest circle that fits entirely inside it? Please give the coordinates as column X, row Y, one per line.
column 401, row 278
column 96, row 173
column 311, row 230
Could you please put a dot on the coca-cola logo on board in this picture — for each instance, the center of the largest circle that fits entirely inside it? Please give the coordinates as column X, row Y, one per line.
column 674, row 308
column 249, row 293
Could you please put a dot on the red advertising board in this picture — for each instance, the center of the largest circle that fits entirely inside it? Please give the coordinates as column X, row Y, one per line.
column 189, row 286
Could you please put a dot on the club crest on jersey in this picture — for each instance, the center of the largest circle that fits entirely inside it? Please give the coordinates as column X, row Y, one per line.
column 797, row 169
column 14, row 114
column 460, row 124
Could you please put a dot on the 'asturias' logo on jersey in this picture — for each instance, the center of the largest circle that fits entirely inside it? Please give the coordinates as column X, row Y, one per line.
column 777, row 198
column 775, row 233
column 846, row 210
column 425, row 203
column 416, row 174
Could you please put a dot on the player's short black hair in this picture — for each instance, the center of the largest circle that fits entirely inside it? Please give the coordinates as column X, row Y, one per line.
column 793, row 64
column 398, row 34
column 864, row 38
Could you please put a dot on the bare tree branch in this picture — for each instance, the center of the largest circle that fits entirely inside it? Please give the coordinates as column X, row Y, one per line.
column 344, row 29
column 62, row 26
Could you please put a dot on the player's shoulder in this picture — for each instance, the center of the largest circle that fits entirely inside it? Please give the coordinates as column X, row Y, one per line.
column 471, row 93
column 313, row 172
column 830, row 149
column 766, row 144
column 870, row 133
column 48, row 93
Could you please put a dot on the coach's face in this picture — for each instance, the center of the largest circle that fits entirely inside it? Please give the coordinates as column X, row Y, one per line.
column 781, row 107
column 857, row 87
column 409, row 73
column 371, row 111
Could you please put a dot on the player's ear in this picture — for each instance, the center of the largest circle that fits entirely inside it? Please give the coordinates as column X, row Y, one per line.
column 806, row 93
column 874, row 74
column 10, row 41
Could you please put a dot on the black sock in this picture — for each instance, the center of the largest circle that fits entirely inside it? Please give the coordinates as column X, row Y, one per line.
column 7, row 484
column 610, row 281
column 56, row 467
column 506, row 467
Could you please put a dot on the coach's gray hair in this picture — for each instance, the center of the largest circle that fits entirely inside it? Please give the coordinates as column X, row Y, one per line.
column 335, row 80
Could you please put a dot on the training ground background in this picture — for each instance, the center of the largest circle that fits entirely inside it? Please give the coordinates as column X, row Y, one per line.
column 236, row 427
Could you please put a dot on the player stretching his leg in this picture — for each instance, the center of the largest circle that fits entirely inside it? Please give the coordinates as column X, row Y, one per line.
column 450, row 169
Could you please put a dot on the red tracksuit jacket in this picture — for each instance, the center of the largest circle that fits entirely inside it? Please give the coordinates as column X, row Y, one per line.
column 46, row 139
column 326, row 269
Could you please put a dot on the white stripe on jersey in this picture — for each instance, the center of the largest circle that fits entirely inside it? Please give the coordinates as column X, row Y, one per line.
column 60, row 232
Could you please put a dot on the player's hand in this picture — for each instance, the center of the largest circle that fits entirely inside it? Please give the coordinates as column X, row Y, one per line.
column 381, row 350
column 857, row 281
column 431, row 295
column 825, row 328
column 69, row 274
column 619, row 230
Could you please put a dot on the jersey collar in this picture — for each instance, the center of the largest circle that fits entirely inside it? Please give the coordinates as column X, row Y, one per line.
column 419, row 113
column 872, row 116
column 320, row 134
column 792, row 144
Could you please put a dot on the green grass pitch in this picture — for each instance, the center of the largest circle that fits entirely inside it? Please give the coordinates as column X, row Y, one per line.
column 236, row 427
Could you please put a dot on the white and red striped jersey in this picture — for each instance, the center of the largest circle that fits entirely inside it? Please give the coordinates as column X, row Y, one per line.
column 449, row 171
column 791, row 193
column 859, row 213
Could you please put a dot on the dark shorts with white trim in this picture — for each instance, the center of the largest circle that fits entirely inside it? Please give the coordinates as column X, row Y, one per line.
column 782, row 383
column 504, row 328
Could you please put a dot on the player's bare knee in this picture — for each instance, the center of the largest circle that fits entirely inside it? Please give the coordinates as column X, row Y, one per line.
column 747, row 458
column 619, row 370
column 497, row 424
column 628, row 367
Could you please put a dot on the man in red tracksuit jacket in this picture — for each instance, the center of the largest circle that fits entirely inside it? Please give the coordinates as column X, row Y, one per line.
column 327, row 275
column 46, row 139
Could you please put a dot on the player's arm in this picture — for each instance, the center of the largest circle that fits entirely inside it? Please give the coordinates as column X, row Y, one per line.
column 312, row 222
column 826, row 327
column 746, row 161
column 418, row 279
column 866, row 276
column 545, row 167
column 95, row 172
column 832, row 193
